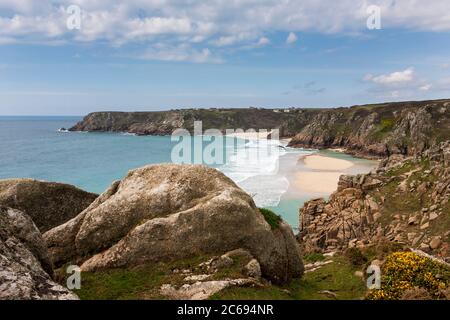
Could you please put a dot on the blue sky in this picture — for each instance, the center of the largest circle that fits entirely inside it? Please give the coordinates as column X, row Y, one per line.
column 157, row 55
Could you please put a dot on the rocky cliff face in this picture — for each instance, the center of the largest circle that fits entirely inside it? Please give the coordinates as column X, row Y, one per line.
column 25, row 267
column 406, row 201
column 49, row 204
column 382, row 130
column 406, row 128
column 165, row 122
column 172, row 212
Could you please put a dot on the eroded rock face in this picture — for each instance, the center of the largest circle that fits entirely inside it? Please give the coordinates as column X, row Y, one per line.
column 24, row 262
column 406, row 128
column 169, row 212
column 49, row 204
column 403, row 201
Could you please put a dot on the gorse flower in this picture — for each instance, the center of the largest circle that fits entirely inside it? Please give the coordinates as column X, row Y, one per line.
column 407, row 270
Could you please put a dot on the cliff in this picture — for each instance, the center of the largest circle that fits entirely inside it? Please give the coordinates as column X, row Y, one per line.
column 406, row 202
column 165, row 122
column 405, row 128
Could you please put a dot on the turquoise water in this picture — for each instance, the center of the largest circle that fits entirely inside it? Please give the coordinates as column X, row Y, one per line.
column 32, row 147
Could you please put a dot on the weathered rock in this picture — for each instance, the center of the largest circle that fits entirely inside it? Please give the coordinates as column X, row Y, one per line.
column 221, row 262
column 170, row 212
column 253, row 269
column 49, row 204
column 363, row 211
column 24, row 262
column 203, row 290
column 406, row 129
column 425, row 226
column 359, row 274
column 435, row 243
column 165, row 122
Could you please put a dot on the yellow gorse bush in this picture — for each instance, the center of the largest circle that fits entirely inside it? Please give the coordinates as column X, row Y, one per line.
column 407, row 270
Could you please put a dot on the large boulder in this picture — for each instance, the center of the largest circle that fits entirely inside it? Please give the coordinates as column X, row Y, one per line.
column 169, row 212
column 24, row 262
column 49, row 204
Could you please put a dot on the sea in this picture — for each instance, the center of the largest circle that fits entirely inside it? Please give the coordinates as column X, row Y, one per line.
column 35, row 147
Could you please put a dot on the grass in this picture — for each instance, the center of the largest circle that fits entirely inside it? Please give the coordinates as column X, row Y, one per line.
column 313, row 257
column 408, row 202
column 144, row 282
column 384, row 127
column 337, row 277
column 271, row 218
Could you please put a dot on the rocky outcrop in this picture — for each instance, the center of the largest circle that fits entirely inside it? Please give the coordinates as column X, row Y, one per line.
column 171, row 212
column 405, row 202
column 405, row 128
column 203, row 290
column 49, row 204
column 239, row 263
column 381, row 130
column 25, row 267
column 165, row 122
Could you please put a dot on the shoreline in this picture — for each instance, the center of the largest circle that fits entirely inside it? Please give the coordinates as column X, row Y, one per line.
column 322, row 173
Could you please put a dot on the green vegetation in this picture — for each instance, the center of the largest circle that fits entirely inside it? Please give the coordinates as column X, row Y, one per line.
column 271, row 218
column 337, row 277
column 409, row 202
column 336, row 280
column 313, row 257
column 143, row 282
column 404, row 271
column 355, row 257
column 387, row 124
column 384, row 127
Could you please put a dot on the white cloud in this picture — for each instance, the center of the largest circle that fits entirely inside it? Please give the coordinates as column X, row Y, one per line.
column 292, row 38
column 216, row 23
column 404, row 84
column 234, row 39
column 263, row 41
column 179, row 53
column 426, row 87
column 394, row 78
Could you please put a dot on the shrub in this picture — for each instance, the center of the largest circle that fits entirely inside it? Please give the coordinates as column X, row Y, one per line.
column 355, row 257
column 271, row 218
column 416, row 294
column 406, row 271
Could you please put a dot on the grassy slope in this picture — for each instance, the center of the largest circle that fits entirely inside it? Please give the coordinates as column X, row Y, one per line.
column 144, row 282
column 337, row 277
column 409, row 203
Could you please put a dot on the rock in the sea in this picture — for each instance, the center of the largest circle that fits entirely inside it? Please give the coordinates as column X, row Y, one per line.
column 170, row 212
column 49, row 204
column 24, row 262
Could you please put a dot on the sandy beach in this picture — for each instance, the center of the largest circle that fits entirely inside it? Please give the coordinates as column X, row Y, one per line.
column 323, row 174
column 320, row 162
column 250, row 135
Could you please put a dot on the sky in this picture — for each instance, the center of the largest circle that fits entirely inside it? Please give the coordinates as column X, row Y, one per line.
column 79, row 56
